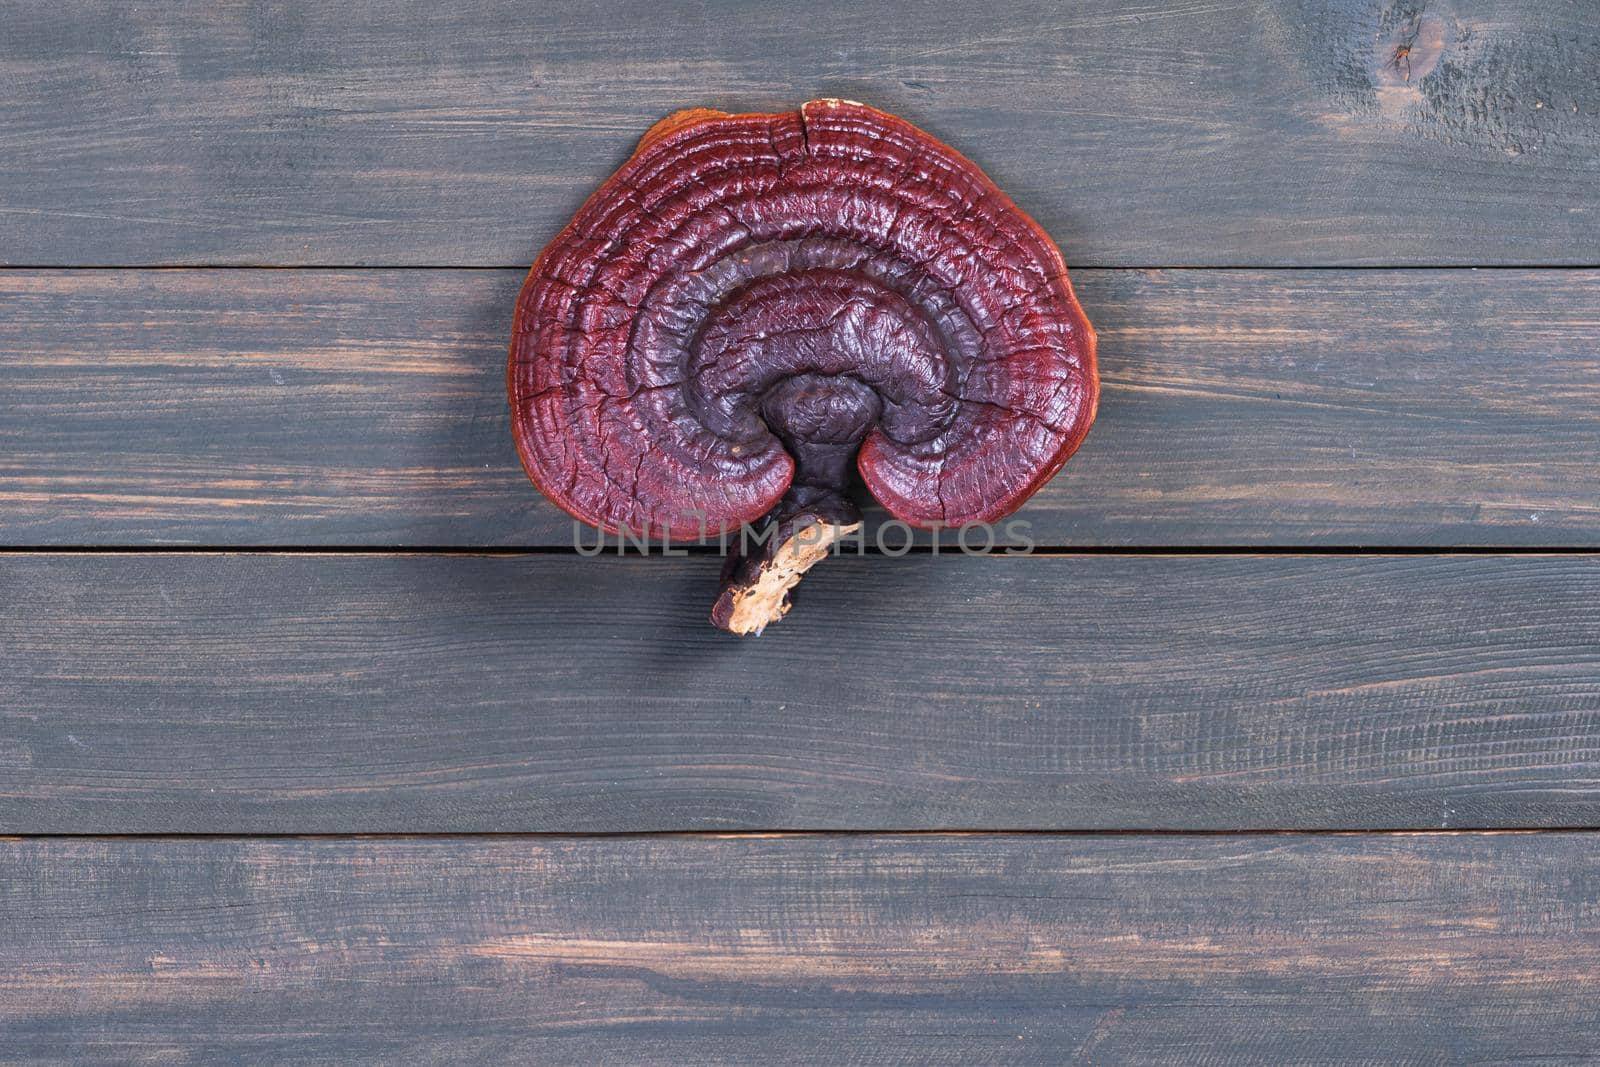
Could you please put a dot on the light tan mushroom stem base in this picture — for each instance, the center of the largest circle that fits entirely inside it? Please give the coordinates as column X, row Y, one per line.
column 758, row 593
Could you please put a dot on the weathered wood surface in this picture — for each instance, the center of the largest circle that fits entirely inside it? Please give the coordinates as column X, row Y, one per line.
column 346, row 693
column 1256, row 132
column 302, row 693
column 927, row 950
column 368, row 408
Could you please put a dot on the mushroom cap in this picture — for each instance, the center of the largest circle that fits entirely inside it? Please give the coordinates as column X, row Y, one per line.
column 815, row 273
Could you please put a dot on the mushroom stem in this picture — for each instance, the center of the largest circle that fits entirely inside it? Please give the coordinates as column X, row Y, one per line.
column 796, row 535
column 821, row 421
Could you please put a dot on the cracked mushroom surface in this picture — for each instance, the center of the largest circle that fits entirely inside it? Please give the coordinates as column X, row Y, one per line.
column 756, row 307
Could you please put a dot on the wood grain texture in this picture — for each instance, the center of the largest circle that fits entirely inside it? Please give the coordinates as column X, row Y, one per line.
column 300, row 693
column 931, row 950
column 1254, row 132
column 368, row 408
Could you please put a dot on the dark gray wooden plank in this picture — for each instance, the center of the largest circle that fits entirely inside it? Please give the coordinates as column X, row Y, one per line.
column 339, row 693
column 928, row 950
column 1256, row 132
column 368, row 408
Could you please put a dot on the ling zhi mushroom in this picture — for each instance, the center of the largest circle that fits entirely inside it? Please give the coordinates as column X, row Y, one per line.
column 754, row 307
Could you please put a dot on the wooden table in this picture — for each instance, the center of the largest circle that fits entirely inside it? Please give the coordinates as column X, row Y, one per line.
column 319, row 744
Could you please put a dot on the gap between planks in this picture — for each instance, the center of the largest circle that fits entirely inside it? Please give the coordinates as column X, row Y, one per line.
column 870, row 552
column 767, row 835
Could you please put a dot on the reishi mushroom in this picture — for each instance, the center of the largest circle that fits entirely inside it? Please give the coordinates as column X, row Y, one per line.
column 757, row 306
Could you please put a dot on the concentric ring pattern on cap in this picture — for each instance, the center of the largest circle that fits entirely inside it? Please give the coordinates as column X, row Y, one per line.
column 651, row 327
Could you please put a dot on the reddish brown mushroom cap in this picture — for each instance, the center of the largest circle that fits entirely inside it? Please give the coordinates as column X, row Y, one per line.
column 754, row 304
